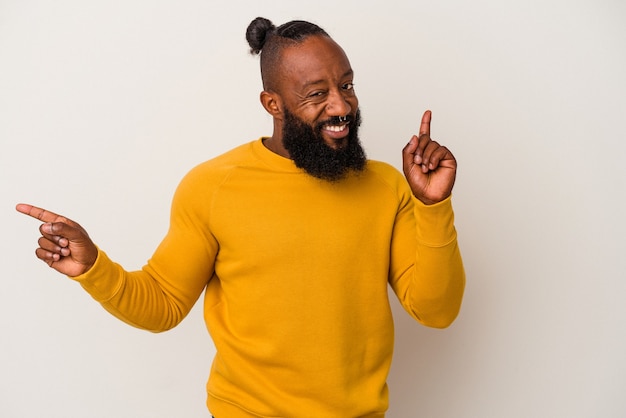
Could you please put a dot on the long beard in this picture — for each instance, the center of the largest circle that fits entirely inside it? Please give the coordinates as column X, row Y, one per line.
column 309, row 152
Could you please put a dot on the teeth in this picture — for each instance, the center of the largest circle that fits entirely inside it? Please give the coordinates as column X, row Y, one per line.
column 335, row 128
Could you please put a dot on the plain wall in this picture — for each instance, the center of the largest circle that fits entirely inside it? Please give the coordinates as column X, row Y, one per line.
column 105, row 105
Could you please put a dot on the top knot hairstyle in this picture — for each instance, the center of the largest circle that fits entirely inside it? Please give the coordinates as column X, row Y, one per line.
column 267, row 40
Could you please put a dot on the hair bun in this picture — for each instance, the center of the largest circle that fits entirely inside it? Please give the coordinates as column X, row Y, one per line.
column 257, row 33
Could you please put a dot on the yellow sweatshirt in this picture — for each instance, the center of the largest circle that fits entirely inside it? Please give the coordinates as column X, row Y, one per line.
column 296, row 272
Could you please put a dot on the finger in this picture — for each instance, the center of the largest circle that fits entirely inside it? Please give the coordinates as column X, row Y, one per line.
column 408, row 152
column 46, row 256
column 425, row 125
column 441, row 157
column 54, row 243
column 423, row 142
column 52, row 247
column 61, row 232
column 38, row 213
column 48, row 244
column 431, row 147
column 411, row 145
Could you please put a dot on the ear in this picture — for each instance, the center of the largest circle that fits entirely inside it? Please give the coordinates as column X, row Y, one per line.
column 272, row 103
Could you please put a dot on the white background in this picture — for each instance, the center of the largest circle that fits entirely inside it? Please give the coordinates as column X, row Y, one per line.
column 104, row 105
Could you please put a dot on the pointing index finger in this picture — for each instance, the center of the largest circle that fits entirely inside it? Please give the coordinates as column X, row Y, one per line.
column 425, row 125
column 38, row 213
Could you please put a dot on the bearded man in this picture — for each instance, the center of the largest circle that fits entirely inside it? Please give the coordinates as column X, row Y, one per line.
column 295, row 239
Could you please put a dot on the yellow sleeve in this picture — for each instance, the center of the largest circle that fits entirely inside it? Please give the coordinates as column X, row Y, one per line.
column 162, row 293
column 430, row 285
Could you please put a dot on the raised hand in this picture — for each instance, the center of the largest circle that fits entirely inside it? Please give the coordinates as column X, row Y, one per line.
column 429, row 168
column 64, row 245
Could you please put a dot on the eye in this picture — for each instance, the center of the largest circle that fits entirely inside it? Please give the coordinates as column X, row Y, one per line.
column 318, row 93
column 348, row 86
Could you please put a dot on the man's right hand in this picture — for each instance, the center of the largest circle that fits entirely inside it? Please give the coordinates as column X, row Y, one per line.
column 64, row 245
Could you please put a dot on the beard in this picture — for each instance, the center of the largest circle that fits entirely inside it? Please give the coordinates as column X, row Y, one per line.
column 309, row 151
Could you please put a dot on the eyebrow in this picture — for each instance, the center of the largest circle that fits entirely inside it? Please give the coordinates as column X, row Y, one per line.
column 348, row 73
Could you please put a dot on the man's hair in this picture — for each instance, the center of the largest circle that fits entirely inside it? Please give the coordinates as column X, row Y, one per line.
column 268, row 40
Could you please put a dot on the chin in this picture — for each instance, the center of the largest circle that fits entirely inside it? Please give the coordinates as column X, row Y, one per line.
column 337, row 144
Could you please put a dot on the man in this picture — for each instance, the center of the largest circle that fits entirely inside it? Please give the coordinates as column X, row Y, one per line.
column 295, row 239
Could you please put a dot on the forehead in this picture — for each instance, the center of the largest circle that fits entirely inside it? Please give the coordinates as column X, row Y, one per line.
column 318, row 59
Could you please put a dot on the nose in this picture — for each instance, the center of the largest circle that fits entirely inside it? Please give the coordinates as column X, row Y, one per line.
column 337, row 104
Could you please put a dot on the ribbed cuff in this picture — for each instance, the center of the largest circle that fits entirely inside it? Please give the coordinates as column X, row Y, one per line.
column 435, row 223
column 103, row 279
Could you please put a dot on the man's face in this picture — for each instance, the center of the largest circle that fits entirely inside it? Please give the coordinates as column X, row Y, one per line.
column 320, row 108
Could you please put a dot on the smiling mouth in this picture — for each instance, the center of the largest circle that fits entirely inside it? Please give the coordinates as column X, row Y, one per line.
column 336, row 136
column 336, row 128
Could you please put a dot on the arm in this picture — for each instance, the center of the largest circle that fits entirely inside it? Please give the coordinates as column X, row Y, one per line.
column 430, row 281
column 427, row 271
column 155, row 298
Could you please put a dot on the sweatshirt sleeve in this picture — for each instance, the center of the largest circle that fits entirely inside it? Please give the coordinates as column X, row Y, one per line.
column 428, row 277
column 162, row 293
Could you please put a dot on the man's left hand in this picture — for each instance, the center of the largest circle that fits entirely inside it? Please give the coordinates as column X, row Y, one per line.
column 429, row 168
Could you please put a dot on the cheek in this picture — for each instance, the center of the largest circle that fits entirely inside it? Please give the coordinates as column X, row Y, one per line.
column 354, row 103
column 312, row 114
